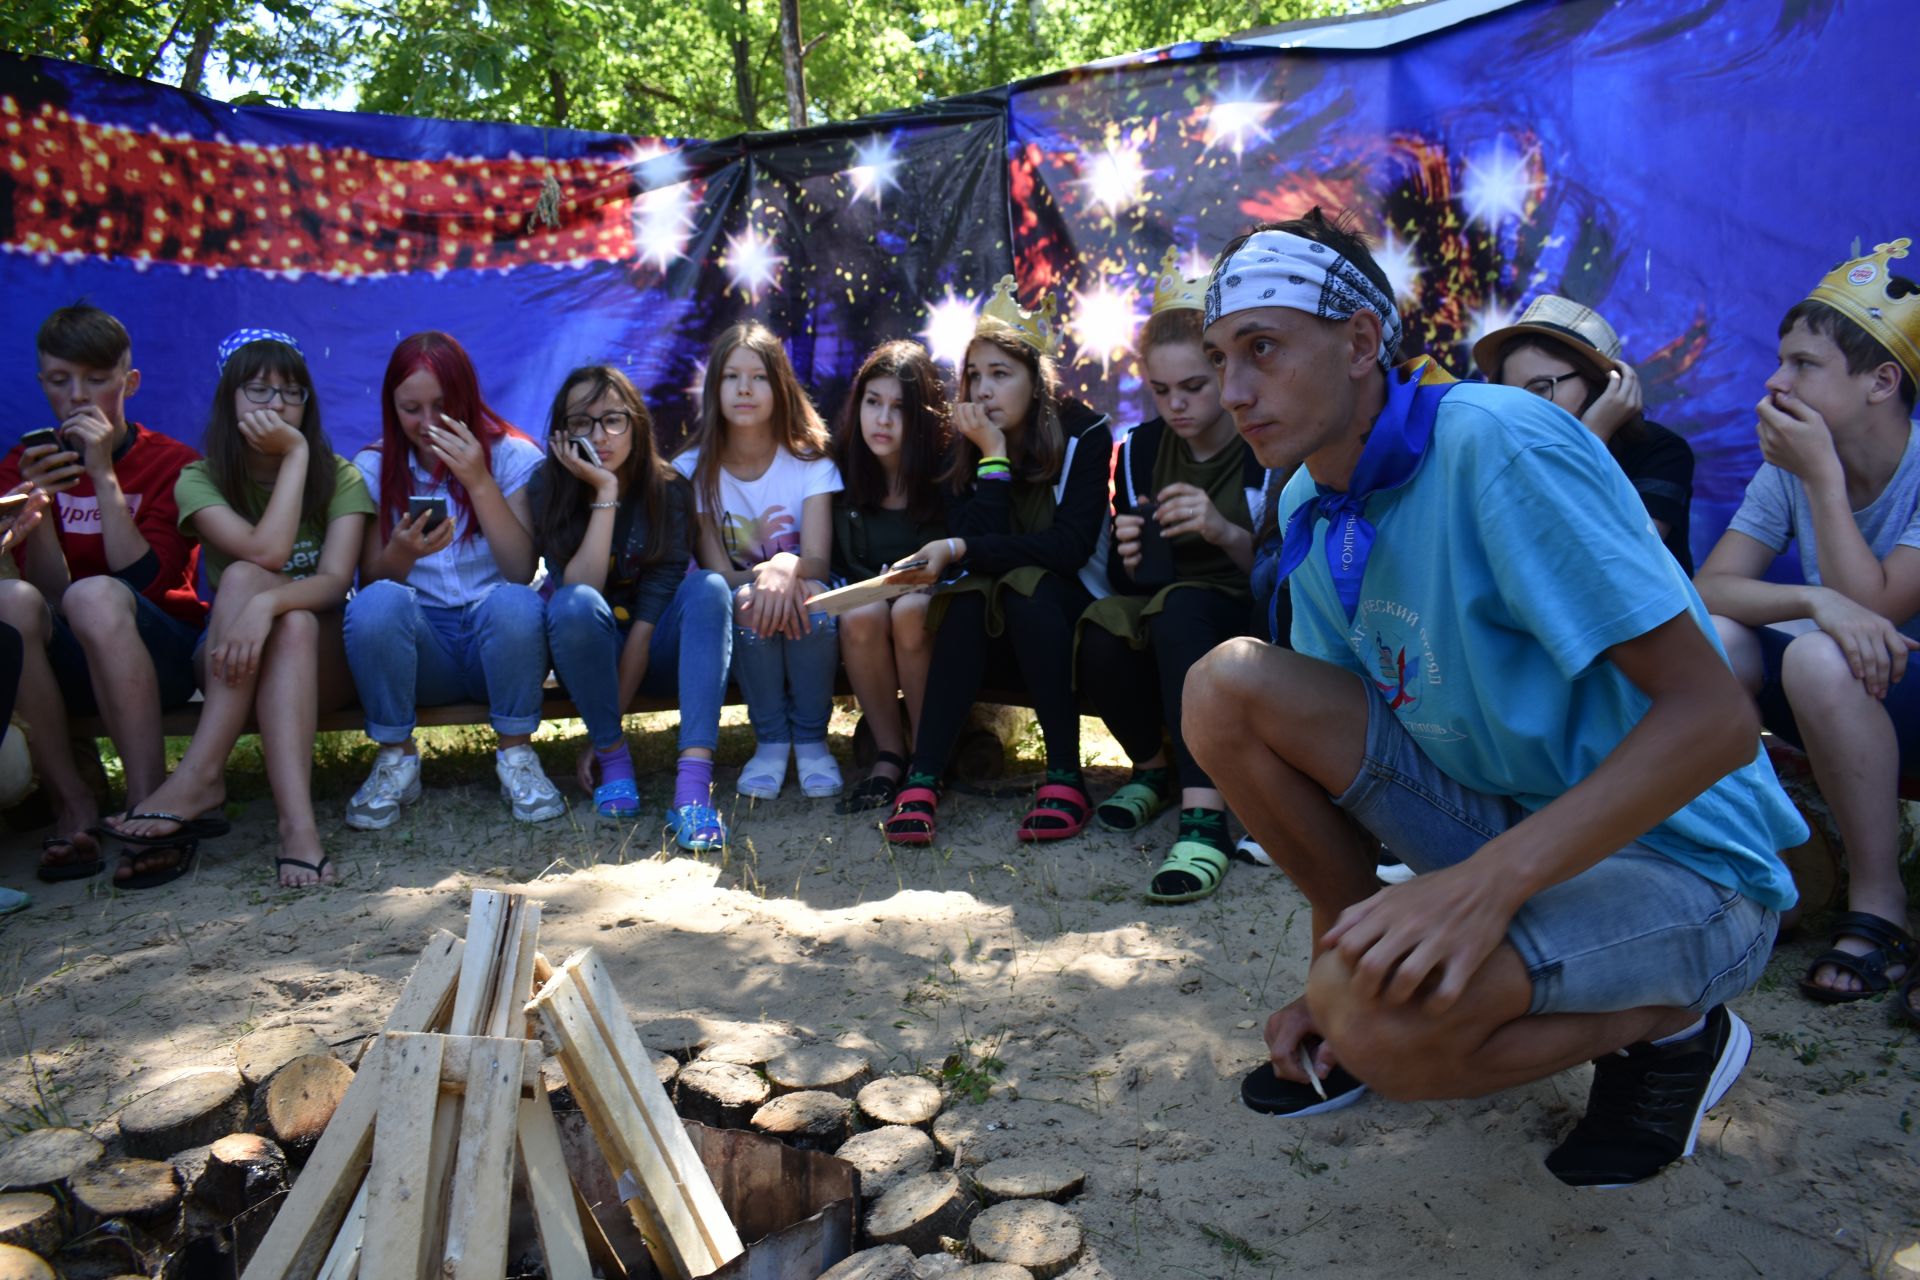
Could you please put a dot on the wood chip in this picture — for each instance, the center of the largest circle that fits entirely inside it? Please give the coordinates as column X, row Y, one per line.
column 261, row 1054
column 912, row 1100
column 191, row 1111
column 46, row 1157
column 1037, row 1235
column 885, row 1156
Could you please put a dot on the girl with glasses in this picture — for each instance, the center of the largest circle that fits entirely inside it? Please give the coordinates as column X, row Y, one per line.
column 615, row 525
column 765, row 487
column 443, row 613
column 889, row 444
column 280, row 518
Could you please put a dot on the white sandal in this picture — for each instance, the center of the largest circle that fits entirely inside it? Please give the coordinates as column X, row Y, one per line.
column 762, row 776
column 819, row 771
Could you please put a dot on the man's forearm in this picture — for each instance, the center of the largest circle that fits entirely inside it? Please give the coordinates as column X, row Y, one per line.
column 124, row 543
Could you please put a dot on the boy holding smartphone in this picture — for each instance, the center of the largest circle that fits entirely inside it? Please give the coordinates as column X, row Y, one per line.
column 106, row 602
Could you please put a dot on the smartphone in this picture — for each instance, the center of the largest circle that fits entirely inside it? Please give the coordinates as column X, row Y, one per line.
column 45, row 435
column 433, row 508
column 11, row 505
column 1156, row 553
column 584, row 447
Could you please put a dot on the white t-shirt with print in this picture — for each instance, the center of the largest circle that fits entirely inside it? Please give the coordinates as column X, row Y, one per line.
column 760, row 518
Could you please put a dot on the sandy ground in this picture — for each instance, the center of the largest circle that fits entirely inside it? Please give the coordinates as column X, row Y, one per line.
column 1131, row 1023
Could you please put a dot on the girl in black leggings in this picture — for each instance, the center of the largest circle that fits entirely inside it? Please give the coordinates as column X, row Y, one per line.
column 1029, row 529
column 1193, row 477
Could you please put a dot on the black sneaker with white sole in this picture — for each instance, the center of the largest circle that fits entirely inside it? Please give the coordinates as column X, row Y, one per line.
column 1264, row 1091
column 1647, row 1102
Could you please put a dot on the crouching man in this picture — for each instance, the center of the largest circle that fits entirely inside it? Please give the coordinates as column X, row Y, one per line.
column 1498, row 672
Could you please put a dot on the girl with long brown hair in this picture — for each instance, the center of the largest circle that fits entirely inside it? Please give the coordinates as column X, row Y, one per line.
column 615, row 524
column 890, row 444
column 764, row 486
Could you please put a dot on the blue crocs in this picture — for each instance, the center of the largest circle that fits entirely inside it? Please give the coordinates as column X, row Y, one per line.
column 617, row 801
column 697, row 828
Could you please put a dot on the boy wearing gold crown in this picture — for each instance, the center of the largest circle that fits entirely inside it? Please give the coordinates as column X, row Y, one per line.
column 1540, row 726
column 1828, row 659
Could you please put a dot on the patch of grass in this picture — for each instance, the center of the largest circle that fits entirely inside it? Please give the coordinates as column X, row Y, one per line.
column 1805, row 1052
column 969, row 1074
column 1239, row 1248
column 1302, row 1163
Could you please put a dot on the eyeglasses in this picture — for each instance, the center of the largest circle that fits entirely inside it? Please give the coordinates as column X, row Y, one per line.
column 1544, row 386
column 615, row 423
column 261, row 393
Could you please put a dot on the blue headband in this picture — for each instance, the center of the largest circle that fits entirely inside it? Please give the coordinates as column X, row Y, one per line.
column 242, row 337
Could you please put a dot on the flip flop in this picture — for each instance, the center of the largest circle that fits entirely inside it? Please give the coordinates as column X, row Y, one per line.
column 55, row 872
column 318, row 868
column 195, row 829
column 166, row 875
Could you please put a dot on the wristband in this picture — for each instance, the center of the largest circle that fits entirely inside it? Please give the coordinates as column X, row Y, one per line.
column 995, row 458
column 603, row 506
column 952, row 551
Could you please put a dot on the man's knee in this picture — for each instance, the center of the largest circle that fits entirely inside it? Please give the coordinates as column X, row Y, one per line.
column 100, row 608
column 1392, row 1047
column 23, row 608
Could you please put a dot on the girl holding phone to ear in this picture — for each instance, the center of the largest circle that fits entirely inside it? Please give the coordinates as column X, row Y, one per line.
column 615, row 524
column 444, row 612
column 280, row 519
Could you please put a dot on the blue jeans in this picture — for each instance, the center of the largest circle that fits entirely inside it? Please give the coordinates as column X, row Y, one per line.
column 1636, row 929
column 406, row 655
column 788, row 684
column 686, row 657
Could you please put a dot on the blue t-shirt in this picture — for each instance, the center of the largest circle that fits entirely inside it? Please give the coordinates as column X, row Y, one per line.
column 1515, row 556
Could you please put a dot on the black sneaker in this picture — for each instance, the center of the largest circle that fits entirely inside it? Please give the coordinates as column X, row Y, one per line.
column 1264, row 1091
column 1647, row 1102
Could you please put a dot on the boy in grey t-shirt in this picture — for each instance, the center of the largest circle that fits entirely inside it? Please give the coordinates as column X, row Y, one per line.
column 1828, row 660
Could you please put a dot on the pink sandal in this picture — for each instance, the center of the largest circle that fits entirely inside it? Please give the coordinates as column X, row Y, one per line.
column 912, row 820
column 1064, row 823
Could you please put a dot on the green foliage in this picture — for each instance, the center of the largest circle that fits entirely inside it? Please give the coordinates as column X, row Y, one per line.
column 700, row 68
column 969, row 1074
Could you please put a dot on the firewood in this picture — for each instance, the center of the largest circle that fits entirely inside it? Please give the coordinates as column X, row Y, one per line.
column 1035, row 1234
column 303, row 1096
column 127, row 1188
column 399, row 1181
column 46, row 1158
column 888, row 1262
column 748, row 1046
column 667, row 1068
column 32, row 1221
column 911, row 1100
column 1028, row 1178
column 550, row 1191
column 476, row 1247
column 721, row 1094
column 812, row 1120
column 917, row 1211
column 20, row 1264
column 188, row 1112
column 821, row 1066
column 242, row 1170
column 680, row 1037
column 261, row 1054
column 885, row 1156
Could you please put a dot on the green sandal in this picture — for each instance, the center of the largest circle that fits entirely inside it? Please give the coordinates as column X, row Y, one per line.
column 1193, row 869
column 1137, row 803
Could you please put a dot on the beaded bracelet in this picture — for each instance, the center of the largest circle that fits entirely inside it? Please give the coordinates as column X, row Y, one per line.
column 603, row 506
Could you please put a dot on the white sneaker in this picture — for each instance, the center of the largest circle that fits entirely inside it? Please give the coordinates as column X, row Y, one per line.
column 1247, row 849
column 525, row 785
column 395, row 781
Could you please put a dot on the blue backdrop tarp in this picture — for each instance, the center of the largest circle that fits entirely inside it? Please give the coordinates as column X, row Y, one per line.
column 1689, row 169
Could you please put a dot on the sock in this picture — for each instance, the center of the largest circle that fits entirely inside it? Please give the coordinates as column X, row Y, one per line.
column 914, row 778
column 693, row 782
column 1205, row 826
column 616, row 765
column 1160, row 779
column 1686, row 1033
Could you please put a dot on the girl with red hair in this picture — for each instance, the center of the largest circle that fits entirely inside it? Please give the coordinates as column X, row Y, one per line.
column 444, row 613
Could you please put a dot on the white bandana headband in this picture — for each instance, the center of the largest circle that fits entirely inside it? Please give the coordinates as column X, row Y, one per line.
column 1280, row 269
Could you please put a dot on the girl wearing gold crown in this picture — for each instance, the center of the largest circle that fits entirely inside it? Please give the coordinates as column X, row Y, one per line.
column 889, row 444
column 1029, row 523
column 764, row 488
column 1185, row 480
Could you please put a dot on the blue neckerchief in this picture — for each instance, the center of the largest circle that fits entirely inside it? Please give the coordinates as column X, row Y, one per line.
column 1392, row 454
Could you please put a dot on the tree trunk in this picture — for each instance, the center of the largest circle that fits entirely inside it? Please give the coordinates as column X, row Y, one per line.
column 557, row 85
column 743, row 74
column 197, row 58
column 791, row 58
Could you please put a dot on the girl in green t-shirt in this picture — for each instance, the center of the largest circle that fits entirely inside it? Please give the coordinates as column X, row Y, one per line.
column 279, row 517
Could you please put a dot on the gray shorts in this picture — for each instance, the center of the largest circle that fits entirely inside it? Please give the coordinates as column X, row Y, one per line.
column 1635, row 930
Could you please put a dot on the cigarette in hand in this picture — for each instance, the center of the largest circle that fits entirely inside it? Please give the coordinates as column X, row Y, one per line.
column 1313, row 1077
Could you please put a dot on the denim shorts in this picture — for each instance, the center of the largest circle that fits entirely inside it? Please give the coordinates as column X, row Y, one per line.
column 1635, row 930
column 167, row 640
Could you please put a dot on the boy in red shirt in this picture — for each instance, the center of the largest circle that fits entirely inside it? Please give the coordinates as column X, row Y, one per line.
column 106, row 602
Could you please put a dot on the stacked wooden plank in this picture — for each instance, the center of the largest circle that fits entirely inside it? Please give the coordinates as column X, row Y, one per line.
column 414, row 1175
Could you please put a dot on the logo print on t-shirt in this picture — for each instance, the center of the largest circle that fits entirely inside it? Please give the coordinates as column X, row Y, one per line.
column 1394, row 674
column 80, row 513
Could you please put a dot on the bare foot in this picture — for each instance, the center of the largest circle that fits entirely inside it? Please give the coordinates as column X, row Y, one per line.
column 77, row 850
column 302, row 862
column 146, row 861
column 178, row 794
column 1834, row 978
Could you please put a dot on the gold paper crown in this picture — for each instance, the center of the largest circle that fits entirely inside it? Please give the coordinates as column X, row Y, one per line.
column 1173, row 291
column 1035, row 327
column 1858, row 291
